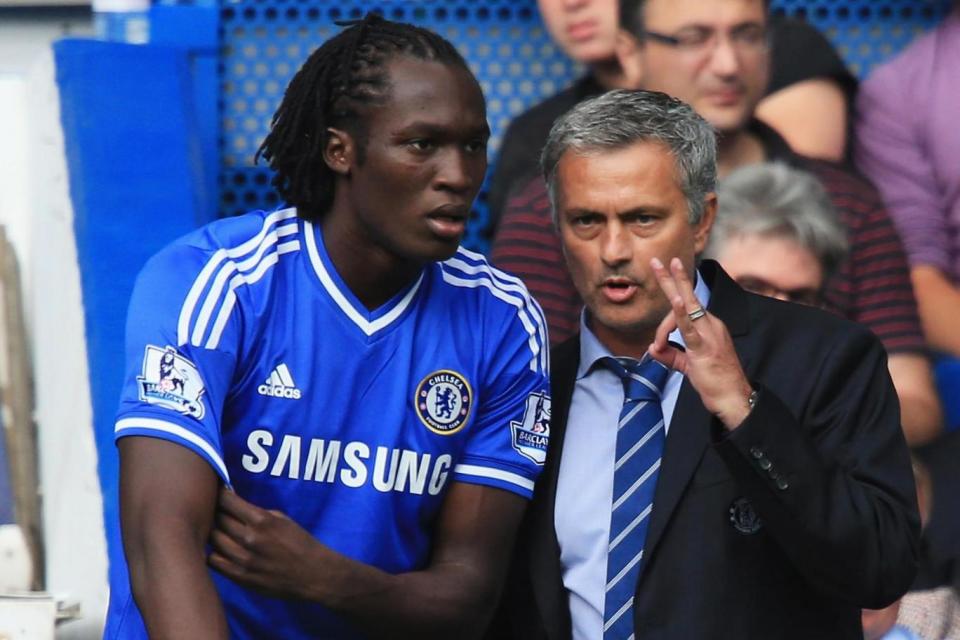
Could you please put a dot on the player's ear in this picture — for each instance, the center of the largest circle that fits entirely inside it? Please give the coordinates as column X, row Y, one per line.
column 339, row 151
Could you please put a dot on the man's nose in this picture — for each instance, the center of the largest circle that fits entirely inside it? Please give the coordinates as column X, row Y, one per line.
column 725, row 58
column 617, row 248
column 460, row 170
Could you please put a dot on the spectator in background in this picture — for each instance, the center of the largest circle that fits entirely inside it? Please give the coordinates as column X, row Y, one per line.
column 714, row 55
column 807, row 101
column 777, row 234
column 586, row 30
column 908, row 143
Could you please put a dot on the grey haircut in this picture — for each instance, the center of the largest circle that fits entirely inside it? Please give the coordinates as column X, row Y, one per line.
column 772, row 199
column 621, row 118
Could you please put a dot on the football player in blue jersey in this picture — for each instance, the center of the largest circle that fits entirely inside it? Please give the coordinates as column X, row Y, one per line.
column 360, row 407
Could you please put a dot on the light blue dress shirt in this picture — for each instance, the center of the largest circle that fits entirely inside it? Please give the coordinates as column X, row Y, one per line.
column 585, row 481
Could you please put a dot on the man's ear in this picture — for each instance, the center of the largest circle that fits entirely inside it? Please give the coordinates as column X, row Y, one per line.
column 339, row 151
column 701, row 230
column 628, row 52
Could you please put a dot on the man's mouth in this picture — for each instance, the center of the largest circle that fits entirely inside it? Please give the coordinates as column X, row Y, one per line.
column 618, row 290
column 449, row 221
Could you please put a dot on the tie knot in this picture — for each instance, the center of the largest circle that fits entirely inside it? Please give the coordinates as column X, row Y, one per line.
column 641, row 380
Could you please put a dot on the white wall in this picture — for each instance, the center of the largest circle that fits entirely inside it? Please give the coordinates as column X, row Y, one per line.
column 35, row 208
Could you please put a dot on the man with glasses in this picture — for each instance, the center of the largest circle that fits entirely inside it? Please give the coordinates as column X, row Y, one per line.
column 714, row 55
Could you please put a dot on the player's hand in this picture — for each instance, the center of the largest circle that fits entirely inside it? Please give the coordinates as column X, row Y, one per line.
column 710, row 361
column 263, row 550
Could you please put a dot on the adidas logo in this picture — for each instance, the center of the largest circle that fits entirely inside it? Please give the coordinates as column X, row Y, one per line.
column 280, row 384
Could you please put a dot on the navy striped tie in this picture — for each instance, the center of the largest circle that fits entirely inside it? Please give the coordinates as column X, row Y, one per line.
column 640, row 438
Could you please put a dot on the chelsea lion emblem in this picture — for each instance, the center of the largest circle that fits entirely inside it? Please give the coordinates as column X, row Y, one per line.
column 532, row 434
column 170, row 380
column 443, row 401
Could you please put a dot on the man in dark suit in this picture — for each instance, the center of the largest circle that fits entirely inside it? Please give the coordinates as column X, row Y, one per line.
column 721, row 465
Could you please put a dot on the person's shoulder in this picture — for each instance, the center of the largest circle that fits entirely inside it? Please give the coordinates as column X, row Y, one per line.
column 491, row 303
column 791, row 322
column 205, row 261
column 468, row 273
column 235, row 236
column 476, row 286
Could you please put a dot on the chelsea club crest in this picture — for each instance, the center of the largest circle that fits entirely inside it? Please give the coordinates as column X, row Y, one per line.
column 532, row 434
column 170, row 380
column 443, row 401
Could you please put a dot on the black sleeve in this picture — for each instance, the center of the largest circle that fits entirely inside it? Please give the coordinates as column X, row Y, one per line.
column 833, row 483
column 800, row 52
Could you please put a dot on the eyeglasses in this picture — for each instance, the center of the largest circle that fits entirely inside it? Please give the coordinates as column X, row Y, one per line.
column 749, row 39
column 803, row 295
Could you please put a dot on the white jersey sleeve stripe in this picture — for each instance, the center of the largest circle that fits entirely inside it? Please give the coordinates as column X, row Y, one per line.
column 496, row 474
column 216, row 290
column 186, row 311
column 153, row 424
column 231, row 298
column 508, row 284
column 535, row 345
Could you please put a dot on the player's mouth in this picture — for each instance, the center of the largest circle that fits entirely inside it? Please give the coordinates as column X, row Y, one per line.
column 449, row 221
column 618, row 289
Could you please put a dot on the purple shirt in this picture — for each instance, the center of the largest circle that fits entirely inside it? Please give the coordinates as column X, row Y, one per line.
column 908, row 144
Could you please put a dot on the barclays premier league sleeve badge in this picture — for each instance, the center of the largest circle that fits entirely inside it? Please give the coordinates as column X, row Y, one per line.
column 169, row 380
column 532, row 434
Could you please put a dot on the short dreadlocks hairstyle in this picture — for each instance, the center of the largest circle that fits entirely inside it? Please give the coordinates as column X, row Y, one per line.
column 343, row 77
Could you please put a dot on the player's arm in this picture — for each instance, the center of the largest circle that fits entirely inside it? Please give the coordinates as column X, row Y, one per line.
column 453, row 596
column 168, row 499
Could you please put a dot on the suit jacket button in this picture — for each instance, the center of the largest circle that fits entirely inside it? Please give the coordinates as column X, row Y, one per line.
column 782, row 484
column 756, row 452
column 765, row 464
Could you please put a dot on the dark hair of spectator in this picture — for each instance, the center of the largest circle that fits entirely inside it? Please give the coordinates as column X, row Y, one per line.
column 333, row 88
column 631, row 15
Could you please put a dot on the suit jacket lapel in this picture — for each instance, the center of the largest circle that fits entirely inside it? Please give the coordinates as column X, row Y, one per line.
column 691, row 423
column 543, row 547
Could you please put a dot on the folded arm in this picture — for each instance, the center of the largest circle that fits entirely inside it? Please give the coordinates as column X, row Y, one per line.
column 453, row 596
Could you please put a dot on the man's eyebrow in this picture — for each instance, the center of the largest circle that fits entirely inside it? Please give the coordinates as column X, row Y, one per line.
column 641, row 210
column 435, row 129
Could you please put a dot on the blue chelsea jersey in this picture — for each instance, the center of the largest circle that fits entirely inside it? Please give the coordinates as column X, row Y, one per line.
column 245, row 346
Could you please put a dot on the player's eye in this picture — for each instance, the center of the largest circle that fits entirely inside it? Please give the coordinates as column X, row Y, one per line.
column 480, row 144
column 421, row 144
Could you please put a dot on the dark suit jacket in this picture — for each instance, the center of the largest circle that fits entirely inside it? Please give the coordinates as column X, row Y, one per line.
column 821, row 460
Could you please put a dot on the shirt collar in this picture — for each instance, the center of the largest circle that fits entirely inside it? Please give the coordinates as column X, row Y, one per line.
column 592, row 350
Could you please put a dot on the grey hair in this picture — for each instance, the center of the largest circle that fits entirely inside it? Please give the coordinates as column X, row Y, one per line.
column 621, row 118
column 772, row 199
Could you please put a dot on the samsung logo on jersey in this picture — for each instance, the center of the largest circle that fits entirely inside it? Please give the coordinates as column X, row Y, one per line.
column 350, row 463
